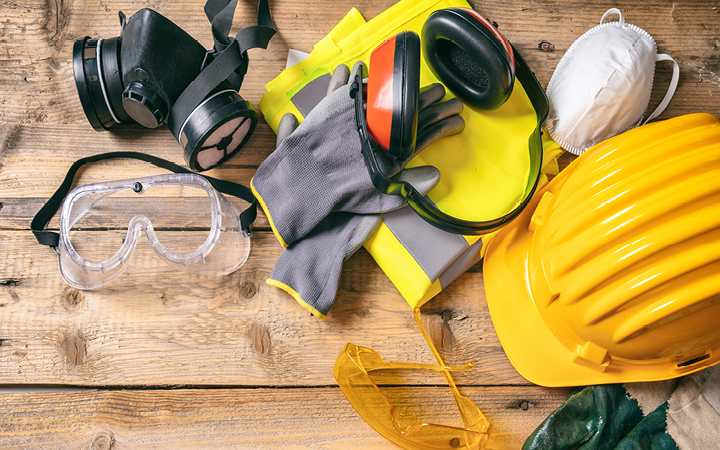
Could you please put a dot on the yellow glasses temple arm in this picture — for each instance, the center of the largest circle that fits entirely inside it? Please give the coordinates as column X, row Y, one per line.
column 400, row 365
column 453, row 387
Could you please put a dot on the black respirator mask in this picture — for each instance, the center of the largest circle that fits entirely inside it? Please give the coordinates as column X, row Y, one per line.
column 156, row 73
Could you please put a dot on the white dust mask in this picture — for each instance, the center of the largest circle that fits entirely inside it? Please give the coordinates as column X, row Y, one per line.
column 601, row 87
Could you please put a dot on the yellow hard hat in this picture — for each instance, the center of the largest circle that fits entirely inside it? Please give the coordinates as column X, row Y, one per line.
column 612, row 272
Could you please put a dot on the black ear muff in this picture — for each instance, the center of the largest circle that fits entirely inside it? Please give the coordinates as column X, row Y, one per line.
column 394, row 69
column 469, row 56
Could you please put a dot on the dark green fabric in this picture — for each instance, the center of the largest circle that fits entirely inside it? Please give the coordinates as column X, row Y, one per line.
column 650, row 433
column 596, row 418
column 602, row 418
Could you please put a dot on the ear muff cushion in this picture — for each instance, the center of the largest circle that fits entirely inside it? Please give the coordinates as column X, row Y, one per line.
column 469, row 57
column 395, row 70
column 406, row 90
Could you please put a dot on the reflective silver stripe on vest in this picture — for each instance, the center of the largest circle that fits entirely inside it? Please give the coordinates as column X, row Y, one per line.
column 433, row 249
column 469, row 258
column 311, row 94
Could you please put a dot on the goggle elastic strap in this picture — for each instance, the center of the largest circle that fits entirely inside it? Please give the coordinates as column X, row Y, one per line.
column 52, row 239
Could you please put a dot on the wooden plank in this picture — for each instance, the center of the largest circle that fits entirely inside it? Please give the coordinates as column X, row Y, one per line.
column 157, row 326
column 34, row 160
column 37, row 38
column 242, row 418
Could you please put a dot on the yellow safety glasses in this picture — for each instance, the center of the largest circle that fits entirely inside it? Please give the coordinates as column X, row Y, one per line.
column 352, row 372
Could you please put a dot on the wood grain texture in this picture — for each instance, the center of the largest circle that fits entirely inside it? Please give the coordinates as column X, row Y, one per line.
column 157, row 326
column 37, row 38
column 318, row 418
column 255, row 369
column 35, row 158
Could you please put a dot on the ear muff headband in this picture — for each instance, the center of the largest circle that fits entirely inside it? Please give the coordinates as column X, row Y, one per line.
column 469, row 56
column 423, row 207
column 392, row 119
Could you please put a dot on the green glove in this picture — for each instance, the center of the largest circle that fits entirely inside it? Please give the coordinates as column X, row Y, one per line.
column 595, row 418
column 309, row 269
column 319, row 168
column 682, row 414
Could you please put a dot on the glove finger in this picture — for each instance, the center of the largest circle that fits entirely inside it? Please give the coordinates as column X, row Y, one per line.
column 354, row 71
column 310, row 268
column 438, row 112
column 287, row 126
column 447, row 127
column 421, row 178
column 339, row 78
column 430, row 94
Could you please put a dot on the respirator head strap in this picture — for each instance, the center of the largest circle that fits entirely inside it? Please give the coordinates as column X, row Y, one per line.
column 226, row 61
column 200, row 125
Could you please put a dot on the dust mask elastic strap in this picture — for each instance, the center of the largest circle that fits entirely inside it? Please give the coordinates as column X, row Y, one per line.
column 671, row 88
column 658, row 57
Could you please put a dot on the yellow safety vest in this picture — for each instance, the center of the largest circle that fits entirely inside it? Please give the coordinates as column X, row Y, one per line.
column 484, row 170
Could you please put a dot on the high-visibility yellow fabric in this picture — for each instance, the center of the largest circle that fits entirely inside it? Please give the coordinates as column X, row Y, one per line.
column 355, row 46
column 351, row 22
column 484, row 170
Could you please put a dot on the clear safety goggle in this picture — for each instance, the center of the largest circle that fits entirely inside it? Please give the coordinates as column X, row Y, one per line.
column 189, row 224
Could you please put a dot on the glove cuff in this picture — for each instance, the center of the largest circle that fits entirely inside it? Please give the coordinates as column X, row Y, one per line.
column 296, row 296
column 265, row 208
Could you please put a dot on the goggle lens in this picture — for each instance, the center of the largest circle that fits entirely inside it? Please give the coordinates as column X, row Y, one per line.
column 190, row 225
column 101, row 221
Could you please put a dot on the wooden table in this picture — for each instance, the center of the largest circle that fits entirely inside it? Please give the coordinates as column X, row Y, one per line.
column 162, row 359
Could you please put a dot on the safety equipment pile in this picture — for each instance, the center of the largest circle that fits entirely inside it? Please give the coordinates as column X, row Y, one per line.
column 318, row 195
column 489, row 156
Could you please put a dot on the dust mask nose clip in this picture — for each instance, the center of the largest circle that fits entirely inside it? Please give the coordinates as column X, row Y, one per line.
column 602, row 85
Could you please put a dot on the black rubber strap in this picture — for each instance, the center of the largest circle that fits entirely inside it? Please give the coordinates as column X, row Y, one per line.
column 48, row 210
column 220, row 14
column 229, row 60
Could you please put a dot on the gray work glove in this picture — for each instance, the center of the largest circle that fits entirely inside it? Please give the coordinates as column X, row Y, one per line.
column 319, row 168
column 309, row 269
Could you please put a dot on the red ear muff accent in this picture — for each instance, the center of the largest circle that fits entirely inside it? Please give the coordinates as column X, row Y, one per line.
column 469, row 56
column 392, row 94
